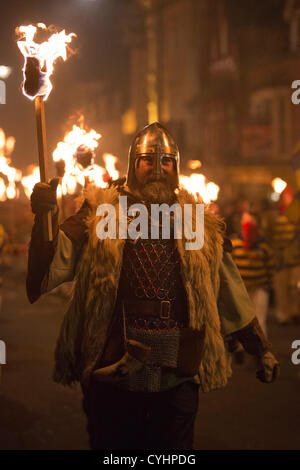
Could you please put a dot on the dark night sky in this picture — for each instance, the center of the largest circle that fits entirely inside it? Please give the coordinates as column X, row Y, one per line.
column 99, row 55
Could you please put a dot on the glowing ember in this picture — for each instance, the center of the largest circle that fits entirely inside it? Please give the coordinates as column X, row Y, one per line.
column 40, row 58
column 278, row 185
column 31, row 179
column 197, row 185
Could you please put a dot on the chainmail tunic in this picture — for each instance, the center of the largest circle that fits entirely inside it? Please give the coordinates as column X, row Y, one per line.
column 151, row 271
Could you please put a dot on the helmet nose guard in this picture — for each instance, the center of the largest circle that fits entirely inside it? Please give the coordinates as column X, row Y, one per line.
column 153, row 141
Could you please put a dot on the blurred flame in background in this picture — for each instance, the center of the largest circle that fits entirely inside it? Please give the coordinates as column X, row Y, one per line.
column 278, row 185
column 110, row 165
column 2, row 190
column 194, row 164
column 74, row 173
column 8, row 190
column 66, row 151
column 46, row 53
column 197, row 184
column 31, row 179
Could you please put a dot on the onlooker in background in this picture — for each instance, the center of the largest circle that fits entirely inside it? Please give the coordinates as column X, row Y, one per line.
column 266, row 212
column 229, row 215
column 286, row 244
column 254, row 259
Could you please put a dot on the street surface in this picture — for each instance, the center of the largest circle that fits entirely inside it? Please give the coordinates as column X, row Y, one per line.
column 36, row 413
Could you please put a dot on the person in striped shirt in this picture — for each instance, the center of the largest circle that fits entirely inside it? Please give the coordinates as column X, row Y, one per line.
column 254, row 259
column 286, row 244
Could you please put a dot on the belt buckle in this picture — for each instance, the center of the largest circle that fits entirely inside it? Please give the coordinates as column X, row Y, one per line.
column 165, row 309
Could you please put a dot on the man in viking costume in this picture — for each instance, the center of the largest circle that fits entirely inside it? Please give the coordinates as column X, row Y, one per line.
column 150, row 321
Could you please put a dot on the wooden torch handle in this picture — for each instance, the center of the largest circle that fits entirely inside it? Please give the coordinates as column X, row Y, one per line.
column 43, row 159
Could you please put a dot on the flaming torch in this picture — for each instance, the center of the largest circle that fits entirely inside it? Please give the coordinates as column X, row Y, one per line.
column 74, row 157
column 37, row 70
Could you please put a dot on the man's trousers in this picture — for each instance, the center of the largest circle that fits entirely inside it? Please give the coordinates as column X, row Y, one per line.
column 120, row 419
column 260, row 299
column 287, row 294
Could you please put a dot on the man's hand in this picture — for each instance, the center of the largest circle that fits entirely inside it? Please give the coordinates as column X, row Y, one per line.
column 43, row 197
column 268, row 369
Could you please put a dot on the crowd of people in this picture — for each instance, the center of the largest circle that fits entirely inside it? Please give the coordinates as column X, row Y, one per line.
column 265, row 241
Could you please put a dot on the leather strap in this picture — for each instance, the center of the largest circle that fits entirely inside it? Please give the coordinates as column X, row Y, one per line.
column 163, row 309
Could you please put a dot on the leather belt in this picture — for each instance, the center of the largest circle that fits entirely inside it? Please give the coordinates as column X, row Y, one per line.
column 153, row 308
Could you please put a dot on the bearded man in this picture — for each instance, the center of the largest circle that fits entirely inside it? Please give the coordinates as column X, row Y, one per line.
column 149, row 320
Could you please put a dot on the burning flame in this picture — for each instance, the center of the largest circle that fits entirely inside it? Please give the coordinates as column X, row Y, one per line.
column 97, row 176
column 46, row 54
column 194, row 164
column 9, row 190
column 66, row 151
column 278, row 185
column 197, row 185
column 75, row 173
column 110, row 165
column 2, row 190
column 31, row 179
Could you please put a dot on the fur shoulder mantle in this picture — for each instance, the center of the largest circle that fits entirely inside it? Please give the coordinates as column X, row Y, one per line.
column 99, row 269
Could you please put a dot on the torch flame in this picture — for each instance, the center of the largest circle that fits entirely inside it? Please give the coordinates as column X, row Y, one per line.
column 110, row 165
column 197, row 185
column 66, row 151
column 2, row 190
column 12, row 174
column 97, row 174
column 278, row 185
column 77, row 168
column 213, row 190
column 46, row 54
column 11, row 191
column 31, row 179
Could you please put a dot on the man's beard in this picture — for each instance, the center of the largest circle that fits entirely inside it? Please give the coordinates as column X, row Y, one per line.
column 156, row 192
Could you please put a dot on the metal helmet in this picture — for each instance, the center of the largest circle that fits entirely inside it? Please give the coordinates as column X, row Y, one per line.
column 155, row 141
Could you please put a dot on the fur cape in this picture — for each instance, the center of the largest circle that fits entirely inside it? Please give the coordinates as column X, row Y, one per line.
column 86, row 324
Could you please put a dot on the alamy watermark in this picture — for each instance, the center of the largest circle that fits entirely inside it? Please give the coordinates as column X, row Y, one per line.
column 134, row 222
column 2, row 352
column 296, row 354
column 2, row 92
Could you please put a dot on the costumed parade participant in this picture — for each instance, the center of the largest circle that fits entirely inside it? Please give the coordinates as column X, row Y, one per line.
column 149, row 320
column 254, row 259
column 286, row 245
